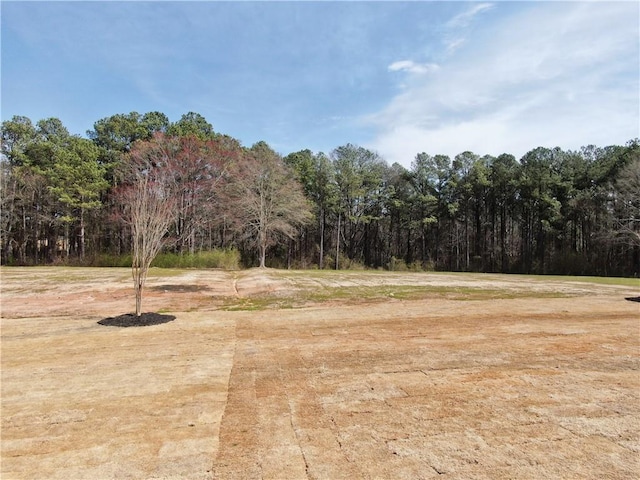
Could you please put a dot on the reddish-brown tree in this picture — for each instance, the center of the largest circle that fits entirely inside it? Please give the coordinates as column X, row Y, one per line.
column 199, row 165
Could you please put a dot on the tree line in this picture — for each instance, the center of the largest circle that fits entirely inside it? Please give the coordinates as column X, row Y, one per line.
column 67, row 198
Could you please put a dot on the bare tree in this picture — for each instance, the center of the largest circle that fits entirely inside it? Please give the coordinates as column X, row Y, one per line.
column 628, row 195
column 148, row 203
column 265, row 199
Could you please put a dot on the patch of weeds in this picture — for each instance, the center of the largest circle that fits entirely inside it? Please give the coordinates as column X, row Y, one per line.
column 469, row 293
column 179, row 288
column 408, row 292
column 248, row 304
column 359, row 294
column 253, row 305
column 262, row 302
column 374, row 294
column 621, row 281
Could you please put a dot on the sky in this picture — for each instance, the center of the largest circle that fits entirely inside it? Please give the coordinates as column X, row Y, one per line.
column 398, row 78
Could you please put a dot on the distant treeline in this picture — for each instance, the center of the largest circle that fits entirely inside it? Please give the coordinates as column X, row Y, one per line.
column 551, row 211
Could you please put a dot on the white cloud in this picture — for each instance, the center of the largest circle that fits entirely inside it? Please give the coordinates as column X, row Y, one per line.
column 556, row 75
column 466, row 17
column 453, row 44
column 412, row 67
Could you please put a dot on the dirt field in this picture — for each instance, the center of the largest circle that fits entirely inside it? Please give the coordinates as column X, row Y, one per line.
column 319, row 375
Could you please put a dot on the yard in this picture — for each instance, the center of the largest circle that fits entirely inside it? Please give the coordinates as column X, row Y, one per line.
column 268, row 374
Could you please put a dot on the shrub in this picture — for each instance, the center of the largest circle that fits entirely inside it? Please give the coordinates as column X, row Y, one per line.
column 227, row 259
column 110, row 260
column 397, row 265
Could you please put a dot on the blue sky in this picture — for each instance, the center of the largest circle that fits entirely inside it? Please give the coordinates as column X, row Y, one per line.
column 396, row 77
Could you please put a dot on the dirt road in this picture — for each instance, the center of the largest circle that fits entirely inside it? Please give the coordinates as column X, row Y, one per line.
column 287, row 375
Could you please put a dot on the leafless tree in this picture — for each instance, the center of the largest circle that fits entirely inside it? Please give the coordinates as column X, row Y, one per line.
column 147, row 199
column 265, row 199
column 628, row 199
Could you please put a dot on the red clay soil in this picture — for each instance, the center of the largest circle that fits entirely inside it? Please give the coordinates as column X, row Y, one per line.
column 519, row 384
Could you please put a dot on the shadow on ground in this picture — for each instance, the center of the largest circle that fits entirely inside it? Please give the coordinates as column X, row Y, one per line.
column 131, row 320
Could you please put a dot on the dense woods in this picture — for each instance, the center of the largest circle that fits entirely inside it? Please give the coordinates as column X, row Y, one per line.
column 67, row 199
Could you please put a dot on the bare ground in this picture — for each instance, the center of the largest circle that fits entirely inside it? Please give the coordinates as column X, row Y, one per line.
column 318, row 375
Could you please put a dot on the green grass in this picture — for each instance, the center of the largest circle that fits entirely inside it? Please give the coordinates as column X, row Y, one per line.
column 373, row 294
column 315, row 287
column 621, row 281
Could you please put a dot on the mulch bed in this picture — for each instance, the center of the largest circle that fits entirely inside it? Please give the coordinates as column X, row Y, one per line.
column 131, row 320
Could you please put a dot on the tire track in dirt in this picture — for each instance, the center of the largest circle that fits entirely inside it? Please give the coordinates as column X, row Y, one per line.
column 237, row 438
column 274, row 426
column 476, row 393
column 316, row 432
column 489, row 389
column 256, row 435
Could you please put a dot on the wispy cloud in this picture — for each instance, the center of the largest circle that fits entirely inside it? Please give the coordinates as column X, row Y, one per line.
column 465, row 18
column 453, row 43
column 413, row 67
column 440, row 77
column 553, row 75
column 457, row 28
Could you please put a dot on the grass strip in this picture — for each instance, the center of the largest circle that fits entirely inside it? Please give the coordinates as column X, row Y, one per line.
column 368, row 294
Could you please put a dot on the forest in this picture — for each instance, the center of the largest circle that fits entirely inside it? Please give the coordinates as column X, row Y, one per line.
column 66, row 199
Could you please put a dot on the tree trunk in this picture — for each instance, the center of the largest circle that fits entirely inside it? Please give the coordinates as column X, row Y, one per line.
column 67, row 240
column 322, row 221
column 503, row 234
column 263, row 255
column 81, row 235
column 139, row 274
column 138, row 300
column 338, row 245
